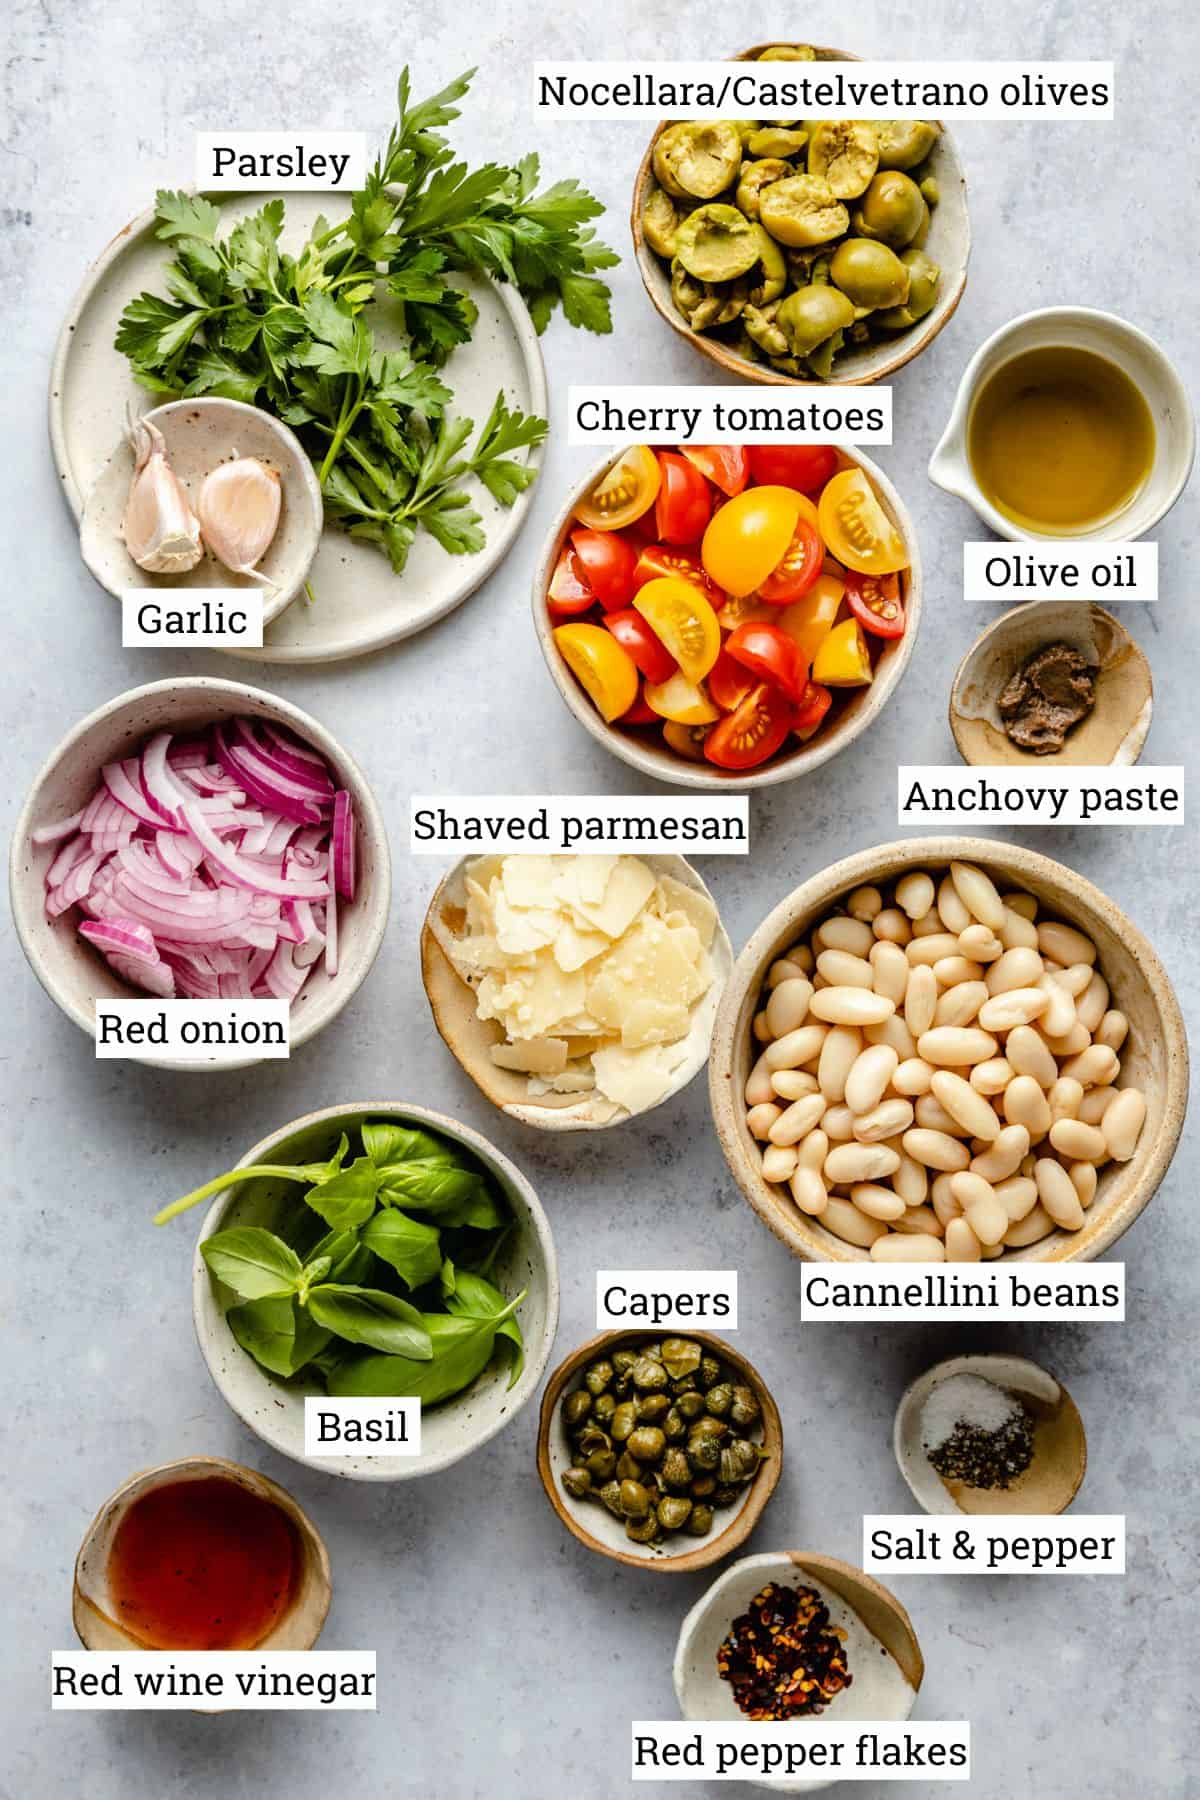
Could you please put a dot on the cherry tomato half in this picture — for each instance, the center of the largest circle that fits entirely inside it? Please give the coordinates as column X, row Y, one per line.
column 623, row 493
column 798, row 567
column 683, row 506
column 606, row 674
column 875, row 602
column 681, row 618
column 770, row 655
column 659, row 560
column 608, row 563
column 856, row 528
column 803, row 466
column 748, row 536
column 639, row 713
column 754, row 732
column 814, row 703
column 726, row 465
column 637, row 640
column 728, row 683
column 568, row 593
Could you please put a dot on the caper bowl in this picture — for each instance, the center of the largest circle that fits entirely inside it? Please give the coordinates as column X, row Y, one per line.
column 580, row 1382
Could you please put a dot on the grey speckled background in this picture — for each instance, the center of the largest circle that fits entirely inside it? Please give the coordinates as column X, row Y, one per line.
column 511, row 1660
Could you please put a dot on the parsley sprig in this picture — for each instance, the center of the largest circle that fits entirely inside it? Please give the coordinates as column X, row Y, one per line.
column 296, row 334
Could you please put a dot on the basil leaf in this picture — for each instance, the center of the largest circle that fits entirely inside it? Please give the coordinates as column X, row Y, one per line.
column 369, row 1316
column 470, row 1296
column 405, row 1244
column 314, row 1270
column 452, row 1195
column 347, row 1199
column 253, row 1262
column 462, row 1349
column 406, row 1143
column 301, row 1172
column 277, row 1334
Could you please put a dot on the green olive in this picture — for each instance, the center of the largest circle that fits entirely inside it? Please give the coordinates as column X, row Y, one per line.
column 649, row 1375
column 869, row 273
column 647, row 1443
column 691, row 1405
column 745, row 1410
column 651, row 1407
column 931, row 193
column 576, row 1407
column 699, row 1521
column 635, row 1501
column 846, row 154
column 745, row 128
column 891, row 210
column 717, row 243
column 811, row 315
column 903, row 143
column 755, row 176
column 764, row 333
column 699, row 158
column 673, row 1512
column 675, row 1471
column 774, row 276
column 681, row 1356
column 602, row 1465
column 788, row 53
column 597, row 1376
column 924, row 277
column 803, row 209
column 643, row 1531
column 719, row 1399
column 820, row 360
column 577, row 1482
column 777, row 140
column 610, row 1495
column 623, row 1421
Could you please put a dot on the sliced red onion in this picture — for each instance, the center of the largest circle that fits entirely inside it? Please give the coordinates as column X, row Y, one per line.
column 54, row 834
column 343, row 844
column 331, row 935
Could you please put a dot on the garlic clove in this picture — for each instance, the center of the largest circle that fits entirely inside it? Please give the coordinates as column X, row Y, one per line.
column 240, row 504
column 161, row 532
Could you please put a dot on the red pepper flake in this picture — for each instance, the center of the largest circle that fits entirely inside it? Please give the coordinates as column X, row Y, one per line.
column 782, row 1657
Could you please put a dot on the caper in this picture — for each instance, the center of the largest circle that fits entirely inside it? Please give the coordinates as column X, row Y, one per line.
column 710, row 1371
column 593, row 1437
column 703, row 1486
column 647, row 1443
column 602, row 1464
column 725, row 1495
column 651, row 1407
column 610, row 1494
column 623, row 1421
column 604, row 1408
column 719, row 1399
column 578, row 1459
column 577, row 1482
column 674, row 1425
column 622, row 1386
column 653, row 1351
column 673, row 1512
column 623, row 1361
column 739, row 1461
column 576, row 1407
column 628, row 1468
column 703, row 1455
column 675, row 1471
column 691, row 1405
column 708, row 1427
column 745, row 1410
column 699, row 1521
column 635, row 1501
column 649, row 1375
column 597, row 1376
column 643, row 1531
column 681, row 1356
column 684, row 1384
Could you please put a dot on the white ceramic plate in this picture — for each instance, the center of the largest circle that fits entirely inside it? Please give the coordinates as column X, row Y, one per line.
column 360, row 605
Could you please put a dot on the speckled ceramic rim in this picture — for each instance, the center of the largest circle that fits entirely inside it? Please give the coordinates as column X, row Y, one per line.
column 663, row 764
column 536, row 1355
column 650, row 268
column 673, row 1562
column 26, row 892
column 731, row 1036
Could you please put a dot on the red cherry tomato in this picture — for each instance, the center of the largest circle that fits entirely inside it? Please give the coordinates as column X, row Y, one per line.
column 770, row 655
column 658, row 560
column 683, row 506
column 607, row 562
column 726, row 465
column 747, row 737
column 649, row 653
column 728, row 683
column 569, row 593
column 814, row 703
column 804, row 466
column 639, row 713
column 875, row 602
column 797, row 569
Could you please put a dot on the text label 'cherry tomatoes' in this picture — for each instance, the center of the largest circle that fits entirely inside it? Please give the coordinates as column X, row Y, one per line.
column 682, row 508
column 875, row 602
column 753, row 733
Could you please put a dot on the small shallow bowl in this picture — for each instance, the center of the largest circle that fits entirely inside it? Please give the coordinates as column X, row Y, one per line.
column 1115, row 729
column 949, row 245
column 883, row 1654
column 470, row 1038
column 72, row 973
column 1059, row 1442
column 199, row 434
column 650, row 755
column 595, row 1526
column 274, row 1409
column 1150, row 370
column 92, row 1609
column 1155, row 1057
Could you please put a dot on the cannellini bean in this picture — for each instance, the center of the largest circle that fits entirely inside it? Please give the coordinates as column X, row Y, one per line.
column 993, row 1076
column 895, row 1034
column 1018, row 1196
column 961, row 1243
column 927, row 926
column 980, row 943
column 1017, row 931
column 845, row 1221
column 840, row 933
column 843, row 1044
column 762, row 1030
column 799, row 1119
column 1018, row 968
column 978, row 894
column 869, row 1076
column 1084, row 1176
column 1095, row 1103
column 1112, row 1030
column 889, row 968
column 1096, row 1066
column 932, row 1116
column 1064, row 943
column 1071, row 1042
column 1016, row 1006
column 1022, row 903
column 1080, row 1142
column 1059, row 1015
column 1093, row 1002
column 788, row 968
column 936, row 1149
column 1030, row 1056
column 959, row 1005
column 788, row 1006
column 1036, row 1225
column 851, row 1006
column 795, row 1047
column 969, row 1110
column 911, row 1180
column 956, row 1046
column 758, row 1083
column 877, row 1202
column 812, row 1150
column 1003, row 1156
column 865, row 903
column 949, row 971
column 951, row 911
column 895, row 1247
column 809, row 1192
column 839, row 1123
column 1076, row 978
column 1064, row 1099
column 914, row 893
column 920, row 999
column 1026, row 1104
column 841, row 969
column 860, row 1162
column 931, row 948
column 1056, row 1191
column 983, row 1212
column 793, row 1084
column 887, row 1120
column 942, row 1199
column 913, row 1076
column 891, row 925
column 778, row 1163
column 761, row 1118
column 1122, row 1123
column 1028, row 1164
column 918, row 1221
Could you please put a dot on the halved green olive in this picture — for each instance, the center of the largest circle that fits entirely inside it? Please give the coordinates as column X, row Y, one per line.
column 903, row 143
column 869, row 273
column 788, row 53
column 845, row 153
column 660, row 222
column 774, row 270
column 755, row 176
column 924, row 276
column 891, row 210
column 811, row 315
column 763, row 331
column 803, row 210
column 698, row 157
column 820, row 360
column 777, row 140
column 717, row 243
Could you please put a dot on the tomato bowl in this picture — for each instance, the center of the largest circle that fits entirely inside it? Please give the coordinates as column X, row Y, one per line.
column 709, row 635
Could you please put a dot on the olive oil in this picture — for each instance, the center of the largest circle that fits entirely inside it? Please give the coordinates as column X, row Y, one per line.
column 1060, row 440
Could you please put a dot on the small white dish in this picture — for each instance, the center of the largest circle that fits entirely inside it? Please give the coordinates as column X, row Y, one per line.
column 199, row 434
column 274, row 1409
column 1106, row 335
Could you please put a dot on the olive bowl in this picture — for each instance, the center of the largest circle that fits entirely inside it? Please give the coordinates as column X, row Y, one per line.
column 651, row 755
column 1154, row 1058
column 594, row 1525
column 949, row 245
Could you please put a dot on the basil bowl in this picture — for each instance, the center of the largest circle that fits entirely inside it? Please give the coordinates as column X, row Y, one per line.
column 272, row 1405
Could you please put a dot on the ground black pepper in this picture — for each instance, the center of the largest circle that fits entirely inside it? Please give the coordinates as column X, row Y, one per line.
column 986, row 1459
column 782, row 1657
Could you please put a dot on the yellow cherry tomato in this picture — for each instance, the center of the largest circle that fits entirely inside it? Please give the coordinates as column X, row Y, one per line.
column 855, row 527
column 623, row 493
column 606, row 673
column 683, row 622
column 748, row 536
column 842, row 658
column 747, row 611
column 681, row 701
column 808, row 621
column 686, row 740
